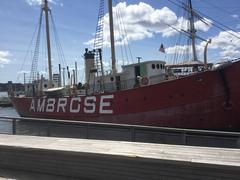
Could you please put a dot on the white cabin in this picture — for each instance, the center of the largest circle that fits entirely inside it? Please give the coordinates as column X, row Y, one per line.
column 154, row 71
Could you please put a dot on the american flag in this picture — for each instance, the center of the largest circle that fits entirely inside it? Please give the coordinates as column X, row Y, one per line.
column 162, row 49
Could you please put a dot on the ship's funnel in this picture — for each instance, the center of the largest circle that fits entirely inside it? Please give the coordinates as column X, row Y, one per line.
column 89, row 66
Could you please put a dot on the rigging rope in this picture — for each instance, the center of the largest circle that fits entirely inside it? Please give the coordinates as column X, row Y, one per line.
column 121, row 38
column 36, row 52
column 122, row 26
column 61, row 55
column 29, row 46
column 216, row 24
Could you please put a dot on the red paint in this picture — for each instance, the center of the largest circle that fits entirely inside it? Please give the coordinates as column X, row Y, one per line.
column 195, row 101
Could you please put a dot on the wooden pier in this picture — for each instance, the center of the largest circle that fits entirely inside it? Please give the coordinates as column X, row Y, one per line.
column 97, row 159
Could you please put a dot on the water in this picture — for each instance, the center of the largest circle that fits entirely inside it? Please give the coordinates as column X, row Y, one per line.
column 3, row 94
column 8, row 111
column 5, row 126
column 36, row 128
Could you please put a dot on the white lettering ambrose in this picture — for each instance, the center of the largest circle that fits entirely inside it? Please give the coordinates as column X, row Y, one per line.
column 83, row 105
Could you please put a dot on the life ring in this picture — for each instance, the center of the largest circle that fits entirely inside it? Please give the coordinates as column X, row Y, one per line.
column 145, row 81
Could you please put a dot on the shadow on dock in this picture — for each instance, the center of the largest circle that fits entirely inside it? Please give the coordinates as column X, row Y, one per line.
column 114, row 160
column 7, row 174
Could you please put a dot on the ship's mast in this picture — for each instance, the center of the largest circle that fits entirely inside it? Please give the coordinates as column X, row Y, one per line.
column 114, row 70
column 192, row 31
column 46, row 9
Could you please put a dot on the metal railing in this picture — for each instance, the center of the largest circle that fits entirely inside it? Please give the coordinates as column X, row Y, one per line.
column 109, row 131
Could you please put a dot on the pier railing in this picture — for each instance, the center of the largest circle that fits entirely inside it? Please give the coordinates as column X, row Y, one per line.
column 108, row 131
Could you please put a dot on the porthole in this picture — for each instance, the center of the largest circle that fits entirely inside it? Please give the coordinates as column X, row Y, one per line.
column 158, row 66
column 153, row 66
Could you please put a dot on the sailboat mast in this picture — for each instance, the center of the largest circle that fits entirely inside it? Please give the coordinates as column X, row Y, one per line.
column 46, row 9
column 192, row 31
column 114, row 70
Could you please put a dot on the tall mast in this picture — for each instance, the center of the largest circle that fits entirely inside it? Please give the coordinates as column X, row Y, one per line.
column 114, row 70
column 192, row 31
column 46, row 9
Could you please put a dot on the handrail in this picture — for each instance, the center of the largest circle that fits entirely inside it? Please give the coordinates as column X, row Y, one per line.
column 8, row 118
column 133, row 131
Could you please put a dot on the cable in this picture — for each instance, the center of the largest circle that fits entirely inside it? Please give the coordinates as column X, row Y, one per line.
column 29, row 46
column 217, row 24
column 58, row 43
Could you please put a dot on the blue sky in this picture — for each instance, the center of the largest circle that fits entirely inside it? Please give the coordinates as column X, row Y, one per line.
column 145, row 25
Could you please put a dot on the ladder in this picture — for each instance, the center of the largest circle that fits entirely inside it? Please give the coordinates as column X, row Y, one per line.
column 98, row 45
column 98, row 41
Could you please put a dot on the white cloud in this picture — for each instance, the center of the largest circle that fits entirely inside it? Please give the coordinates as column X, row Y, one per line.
column 185, row 49
column 228, row 44
column 4, row 58
column 143, row 21
column 23, row 72
column 183, row 24
column 39, row 2
column 34, row 2
column 42, row 72
column 201, row 26
column 235, row 16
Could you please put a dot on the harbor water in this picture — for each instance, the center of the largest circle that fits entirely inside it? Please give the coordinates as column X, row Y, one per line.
column 5, row 126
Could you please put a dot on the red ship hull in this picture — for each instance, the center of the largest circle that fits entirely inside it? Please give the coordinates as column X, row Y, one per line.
column 205, row 100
